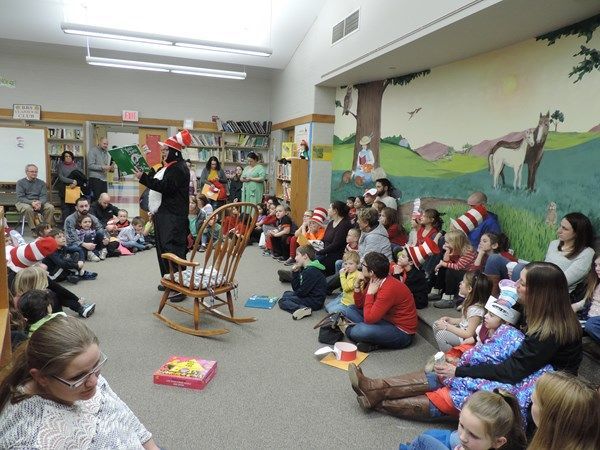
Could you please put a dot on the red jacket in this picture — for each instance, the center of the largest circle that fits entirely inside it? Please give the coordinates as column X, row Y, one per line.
column 396, row 234
column 393, row 302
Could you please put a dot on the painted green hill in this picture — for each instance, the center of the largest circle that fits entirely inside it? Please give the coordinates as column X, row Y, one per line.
column 401, row 161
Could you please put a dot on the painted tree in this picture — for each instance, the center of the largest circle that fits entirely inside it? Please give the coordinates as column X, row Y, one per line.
column 368, row 109
column 557, row 117
column 591, row 60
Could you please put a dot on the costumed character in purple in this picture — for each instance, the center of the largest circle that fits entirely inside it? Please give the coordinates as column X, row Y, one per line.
column 168, row 199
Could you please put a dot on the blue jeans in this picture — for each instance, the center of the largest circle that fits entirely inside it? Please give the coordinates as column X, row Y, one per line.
column 592, row 327
column 74, row 248
column 133, row 244
column 336, row 305
column 382, row 333
column 433, row 440
column 496, row 265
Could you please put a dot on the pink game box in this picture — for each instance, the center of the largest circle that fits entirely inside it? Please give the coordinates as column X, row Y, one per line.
column 192, row 373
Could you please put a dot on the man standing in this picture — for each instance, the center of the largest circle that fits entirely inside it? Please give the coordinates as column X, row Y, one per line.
column 490, row 222
column 169, row 201
column 384, row 193
column 98, row 164
column 32, row 198
column 104, row 211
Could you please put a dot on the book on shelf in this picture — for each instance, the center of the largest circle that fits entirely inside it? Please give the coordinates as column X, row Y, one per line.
column 245, row 126
column 64, row 133
column 55, row 149
column 284, row 170
column 192, row 373
column 206, row 139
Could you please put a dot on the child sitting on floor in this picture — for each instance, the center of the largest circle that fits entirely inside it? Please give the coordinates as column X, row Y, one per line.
column 280, row 247
column 348, row 276
column 36, row 307
column 122, row 220
column 476, row 288
column 63, row 264
column 87, row 234
column 308, row 284
column 266, row 226
column 212, row 232
column 407, row 271
column 132, row 237
column 42, row 229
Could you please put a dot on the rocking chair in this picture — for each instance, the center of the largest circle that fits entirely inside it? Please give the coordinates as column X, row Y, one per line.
column 210, row 270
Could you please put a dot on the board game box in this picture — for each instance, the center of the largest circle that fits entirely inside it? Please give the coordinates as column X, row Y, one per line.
column 192, row 373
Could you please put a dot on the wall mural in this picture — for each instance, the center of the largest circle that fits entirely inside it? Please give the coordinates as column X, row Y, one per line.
column 521, row 124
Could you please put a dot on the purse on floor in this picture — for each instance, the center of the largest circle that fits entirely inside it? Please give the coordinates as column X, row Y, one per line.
column 329, row 328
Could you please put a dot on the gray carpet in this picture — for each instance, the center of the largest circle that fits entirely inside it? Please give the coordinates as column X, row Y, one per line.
column 269, row 391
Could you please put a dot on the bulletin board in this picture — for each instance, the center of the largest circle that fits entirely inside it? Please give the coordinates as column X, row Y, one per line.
column 20, row 146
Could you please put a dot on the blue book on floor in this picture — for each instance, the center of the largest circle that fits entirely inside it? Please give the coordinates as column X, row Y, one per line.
column 261, row 301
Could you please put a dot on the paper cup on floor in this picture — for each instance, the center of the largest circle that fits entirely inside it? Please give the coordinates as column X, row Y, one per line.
column 345, row 351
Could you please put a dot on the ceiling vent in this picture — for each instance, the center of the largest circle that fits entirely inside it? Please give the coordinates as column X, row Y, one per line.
column 345, row 27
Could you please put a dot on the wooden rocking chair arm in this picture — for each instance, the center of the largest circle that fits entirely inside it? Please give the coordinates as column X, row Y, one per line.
column 179, row 261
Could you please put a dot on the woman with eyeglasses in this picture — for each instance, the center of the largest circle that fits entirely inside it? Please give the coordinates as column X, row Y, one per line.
column 53, row 395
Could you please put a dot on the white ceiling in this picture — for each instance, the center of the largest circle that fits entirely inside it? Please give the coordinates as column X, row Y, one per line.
column 32, row 27
column 505, row 23
column 38, row 21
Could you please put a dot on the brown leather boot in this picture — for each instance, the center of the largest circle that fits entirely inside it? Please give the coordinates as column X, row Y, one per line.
column 372, row 391
column 414, row 408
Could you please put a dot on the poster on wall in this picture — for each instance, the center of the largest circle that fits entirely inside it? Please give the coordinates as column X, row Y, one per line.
column 323, row 152
column 287, row 149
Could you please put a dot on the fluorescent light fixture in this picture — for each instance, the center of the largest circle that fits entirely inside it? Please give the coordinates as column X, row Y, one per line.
column 157, row 67
column 149, row 38
column 228, row 48
column 109, row 33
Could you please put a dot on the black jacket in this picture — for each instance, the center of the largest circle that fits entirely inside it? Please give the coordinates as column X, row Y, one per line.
column 174, row 188
column 103, row 214
column 60, row 261
column 417, row 283
column 310, row 283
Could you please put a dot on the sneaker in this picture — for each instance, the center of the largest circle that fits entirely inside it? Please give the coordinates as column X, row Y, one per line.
column 301, row 313
column 88, row 275
column 148, row 246
column 161, row 288
column 134, row 250
column 73, row 279
column 103, row 254
column 87, row 309
column 289, row 262
column 367, row 347
column 281, row 259
column 445, row 303
column 176, row 297
column 435, row 294
column 92, row 257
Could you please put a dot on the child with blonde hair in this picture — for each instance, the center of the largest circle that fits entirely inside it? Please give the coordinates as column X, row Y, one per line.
column 457, row 260
column 348, row 276
column 488, row 420
column 132, row 237
column 566, row 413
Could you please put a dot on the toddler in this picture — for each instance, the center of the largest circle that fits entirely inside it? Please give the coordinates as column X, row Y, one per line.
column 348, row 277
column 87, row 234
column 132, row 237
column 408, row 272
column 64, row 264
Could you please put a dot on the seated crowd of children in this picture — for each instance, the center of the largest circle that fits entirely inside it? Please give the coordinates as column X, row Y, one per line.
column 385, row 275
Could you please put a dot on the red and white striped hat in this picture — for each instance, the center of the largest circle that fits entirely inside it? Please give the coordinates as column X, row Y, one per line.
column 319, row 215
column 18, row 258
column 420, row 253
column 471, row 219
column 180, row 140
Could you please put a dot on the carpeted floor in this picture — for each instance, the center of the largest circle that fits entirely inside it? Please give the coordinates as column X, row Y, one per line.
column 270, row 391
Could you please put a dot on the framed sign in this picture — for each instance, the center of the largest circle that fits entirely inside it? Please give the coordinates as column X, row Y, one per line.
column 27, row 112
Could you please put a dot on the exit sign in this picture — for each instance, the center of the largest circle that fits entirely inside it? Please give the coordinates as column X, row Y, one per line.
column 130, row 116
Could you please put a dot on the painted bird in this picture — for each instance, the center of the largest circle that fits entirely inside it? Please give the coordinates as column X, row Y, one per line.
column 413, row 112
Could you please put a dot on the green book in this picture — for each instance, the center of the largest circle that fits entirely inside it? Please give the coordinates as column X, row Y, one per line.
column 129, row 159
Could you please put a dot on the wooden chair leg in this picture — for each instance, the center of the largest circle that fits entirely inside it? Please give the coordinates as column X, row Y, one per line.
column 230, row 303
column 163, row 300
column 196, row 313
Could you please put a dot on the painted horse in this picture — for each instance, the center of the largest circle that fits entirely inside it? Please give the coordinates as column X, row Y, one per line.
column 515, row 158
column 534, row 154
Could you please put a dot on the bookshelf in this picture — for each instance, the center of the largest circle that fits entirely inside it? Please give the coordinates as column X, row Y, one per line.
column 291, row 185
column 65, row 137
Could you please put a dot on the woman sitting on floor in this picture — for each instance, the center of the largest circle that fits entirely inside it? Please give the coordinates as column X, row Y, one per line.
column 553, row 338
column 54, row 396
